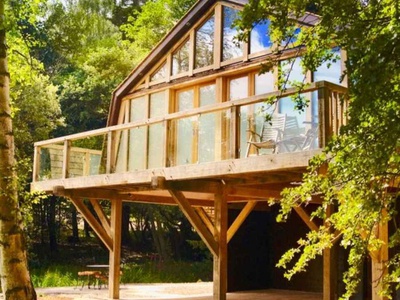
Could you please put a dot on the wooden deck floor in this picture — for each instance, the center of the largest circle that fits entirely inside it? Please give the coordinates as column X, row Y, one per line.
column 178, row 291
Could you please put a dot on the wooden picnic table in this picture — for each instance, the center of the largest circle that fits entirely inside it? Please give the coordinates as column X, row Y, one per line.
column 94, row 276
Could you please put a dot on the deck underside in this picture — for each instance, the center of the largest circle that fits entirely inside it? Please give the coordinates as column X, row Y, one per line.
column 256, row 178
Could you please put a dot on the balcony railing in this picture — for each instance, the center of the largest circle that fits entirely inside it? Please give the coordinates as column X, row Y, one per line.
column 211, row 133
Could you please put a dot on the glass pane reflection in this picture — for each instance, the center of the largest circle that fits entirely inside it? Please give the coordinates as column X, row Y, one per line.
column 204, row 55
column 259, row 37
column 230, row 47
column 180, row 59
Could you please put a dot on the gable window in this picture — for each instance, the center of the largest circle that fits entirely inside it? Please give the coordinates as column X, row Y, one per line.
column 204, row 49
column 159, row 74
column 230, row 47
column 260, row 39
column 180, row 59
column 290, row 41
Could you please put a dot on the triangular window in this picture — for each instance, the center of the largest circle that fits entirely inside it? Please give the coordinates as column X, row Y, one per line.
column 159, row 74
column 180, row 59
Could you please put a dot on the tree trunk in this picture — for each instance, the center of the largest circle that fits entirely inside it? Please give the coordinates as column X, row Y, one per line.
column 74, row 220
column 15, row 279
column 51, row 224
column 125, row 233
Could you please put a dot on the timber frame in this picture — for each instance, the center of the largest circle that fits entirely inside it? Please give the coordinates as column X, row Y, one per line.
column 104, row 164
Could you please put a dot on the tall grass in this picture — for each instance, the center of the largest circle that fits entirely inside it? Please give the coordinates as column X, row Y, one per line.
column 147, row 272
column 57, row 275
column 172, row 271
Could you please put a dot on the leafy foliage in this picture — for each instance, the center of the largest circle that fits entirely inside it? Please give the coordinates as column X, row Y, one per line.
column 363, row 170
column 156, row 18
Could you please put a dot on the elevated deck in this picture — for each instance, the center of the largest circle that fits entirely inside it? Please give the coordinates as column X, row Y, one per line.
column 204, row 160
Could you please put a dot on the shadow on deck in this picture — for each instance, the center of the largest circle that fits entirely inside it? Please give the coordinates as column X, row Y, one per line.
column 189, row 291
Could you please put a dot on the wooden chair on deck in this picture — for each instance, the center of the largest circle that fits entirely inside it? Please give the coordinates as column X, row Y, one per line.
column 270, row 136
column 302, row 142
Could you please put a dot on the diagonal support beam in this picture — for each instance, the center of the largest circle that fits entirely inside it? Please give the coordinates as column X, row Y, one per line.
column 98, row 229
column 306, row 218
column 195, row 220
column 105, row 222
column 240, row 219
column 205, row 218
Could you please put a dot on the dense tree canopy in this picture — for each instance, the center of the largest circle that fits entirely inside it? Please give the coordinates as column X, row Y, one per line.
column 65, row 59
column 362, row 177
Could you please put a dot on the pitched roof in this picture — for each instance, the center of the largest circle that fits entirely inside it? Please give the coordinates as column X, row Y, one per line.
column 184, row 25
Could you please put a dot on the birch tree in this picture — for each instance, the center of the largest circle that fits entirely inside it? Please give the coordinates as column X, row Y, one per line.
column 15, row 278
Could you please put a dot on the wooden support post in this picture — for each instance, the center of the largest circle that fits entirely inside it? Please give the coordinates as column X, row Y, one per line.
column 36, row 164
column 65, row 166
column 110, row 164
column 379, row 259
column 220, row 260
column 330, row 267
column 324, row 114
column 115, row 252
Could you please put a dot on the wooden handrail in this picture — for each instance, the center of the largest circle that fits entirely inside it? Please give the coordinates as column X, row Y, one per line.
column 331, row 112
column 205, row 109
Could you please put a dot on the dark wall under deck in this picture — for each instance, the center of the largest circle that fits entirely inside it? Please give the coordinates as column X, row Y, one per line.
column 256, row 248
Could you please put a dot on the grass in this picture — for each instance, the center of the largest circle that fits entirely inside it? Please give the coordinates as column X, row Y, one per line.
column 173, row 271
column 146, row 272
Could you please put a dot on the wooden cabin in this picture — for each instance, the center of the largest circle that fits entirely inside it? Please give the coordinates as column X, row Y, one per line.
column 187, row 127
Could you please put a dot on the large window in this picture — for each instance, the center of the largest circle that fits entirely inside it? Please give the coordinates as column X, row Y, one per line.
column 204, row 49
column 146, row 142
column 238, row 88
column 138, row 136
column 196, row 135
